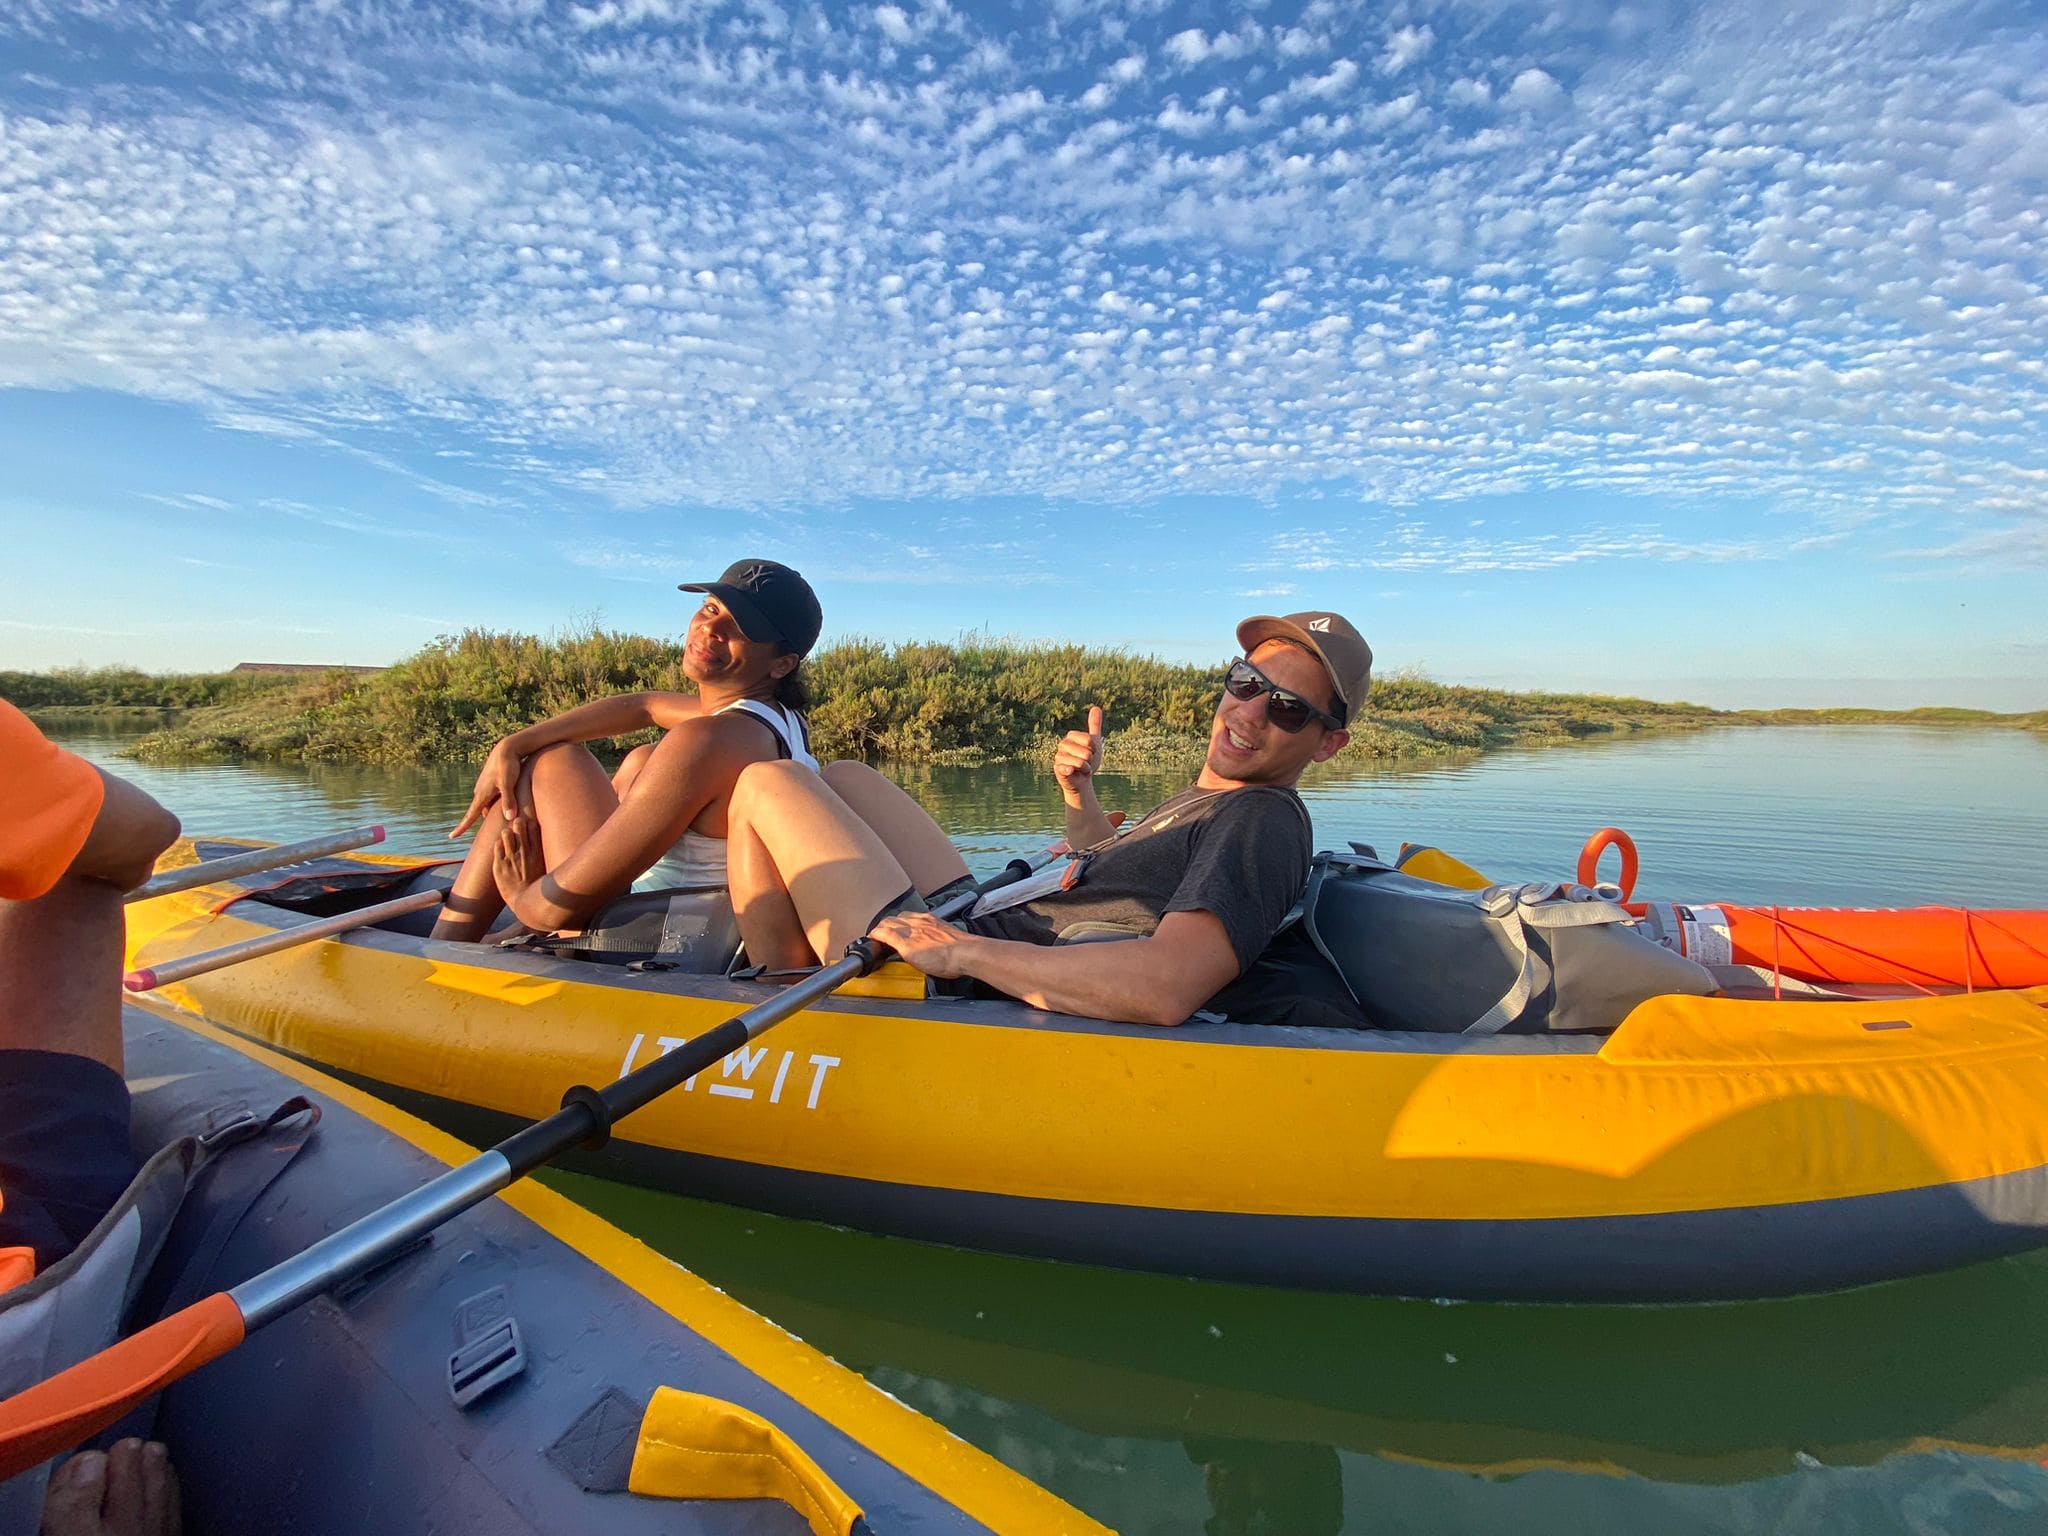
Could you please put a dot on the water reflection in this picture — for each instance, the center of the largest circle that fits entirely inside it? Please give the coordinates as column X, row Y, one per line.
column 1813, row 816
column 1262, row 1396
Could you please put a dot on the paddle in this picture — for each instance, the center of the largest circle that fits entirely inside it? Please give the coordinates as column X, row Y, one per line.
column 150, row 977
column 254, row 862
column 58, row 1413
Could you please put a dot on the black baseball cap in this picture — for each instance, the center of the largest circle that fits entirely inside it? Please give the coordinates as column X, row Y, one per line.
column 770, row 601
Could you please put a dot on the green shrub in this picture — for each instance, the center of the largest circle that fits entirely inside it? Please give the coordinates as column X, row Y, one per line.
column 978, row 698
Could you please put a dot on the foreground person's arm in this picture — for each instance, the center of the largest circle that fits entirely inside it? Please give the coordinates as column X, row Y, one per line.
column 1157, row 980
column 599, row 720
column 129, row 832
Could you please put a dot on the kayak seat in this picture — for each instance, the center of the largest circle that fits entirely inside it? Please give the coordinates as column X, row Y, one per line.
column 688, row 928
column 691, row 926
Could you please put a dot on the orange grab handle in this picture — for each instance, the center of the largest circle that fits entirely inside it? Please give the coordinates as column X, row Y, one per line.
column 74, row 1405
column 1599, row 843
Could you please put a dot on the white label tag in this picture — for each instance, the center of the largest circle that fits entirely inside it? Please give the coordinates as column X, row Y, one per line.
column 1704, row 935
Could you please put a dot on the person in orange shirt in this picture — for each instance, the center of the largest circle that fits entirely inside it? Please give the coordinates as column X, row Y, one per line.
column 73, row 840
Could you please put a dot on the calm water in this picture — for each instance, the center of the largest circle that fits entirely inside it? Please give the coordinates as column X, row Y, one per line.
column 1172, row 1406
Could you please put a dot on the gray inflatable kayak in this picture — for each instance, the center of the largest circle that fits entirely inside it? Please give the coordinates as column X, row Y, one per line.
column 405, row 1403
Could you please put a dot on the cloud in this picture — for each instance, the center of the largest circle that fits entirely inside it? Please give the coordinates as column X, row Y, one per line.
column 1405, row 47
column 1533, row 91
column 682, row 258
column 893, row 24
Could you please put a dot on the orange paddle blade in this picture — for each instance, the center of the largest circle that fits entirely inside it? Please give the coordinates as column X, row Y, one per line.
column 57, row 1414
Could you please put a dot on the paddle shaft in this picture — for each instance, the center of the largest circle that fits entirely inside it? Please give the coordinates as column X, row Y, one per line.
column 585, row 1118
column 152, row 976
column 58, row 1413
column 254, row 862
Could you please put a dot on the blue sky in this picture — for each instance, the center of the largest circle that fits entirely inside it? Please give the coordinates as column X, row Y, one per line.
column 1687, row 350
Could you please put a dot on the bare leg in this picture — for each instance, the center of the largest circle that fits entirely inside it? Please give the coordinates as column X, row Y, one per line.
column 629, row 769
column 569, row 794
column 917, row 842
column 795, row 847
column 473, row 902
column 769, row 925
column 60, row 971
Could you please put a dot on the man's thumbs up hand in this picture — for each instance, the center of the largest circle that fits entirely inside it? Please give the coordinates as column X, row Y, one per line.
column 1078, row 756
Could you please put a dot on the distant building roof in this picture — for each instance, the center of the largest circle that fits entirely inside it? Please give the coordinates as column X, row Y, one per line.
column 297, row 666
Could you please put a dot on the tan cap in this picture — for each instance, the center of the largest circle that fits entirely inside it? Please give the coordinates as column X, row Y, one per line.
column 1341, row 649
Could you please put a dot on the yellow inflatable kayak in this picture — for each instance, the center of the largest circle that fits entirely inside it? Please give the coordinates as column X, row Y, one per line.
column 1708, row 1147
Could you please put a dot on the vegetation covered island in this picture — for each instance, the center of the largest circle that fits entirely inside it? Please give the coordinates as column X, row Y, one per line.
column 974, row 699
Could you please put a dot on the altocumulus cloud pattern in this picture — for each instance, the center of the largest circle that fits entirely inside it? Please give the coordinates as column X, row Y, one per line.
column 755, row 254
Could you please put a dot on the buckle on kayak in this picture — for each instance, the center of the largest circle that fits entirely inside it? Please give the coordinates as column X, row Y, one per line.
column 491, row 1352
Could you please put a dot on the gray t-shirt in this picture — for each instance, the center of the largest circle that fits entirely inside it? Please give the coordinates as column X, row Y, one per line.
column 1241, row 855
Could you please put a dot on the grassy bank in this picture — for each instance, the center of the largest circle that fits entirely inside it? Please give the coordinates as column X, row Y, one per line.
column 2036, row 720
column 972, row 699
column 86, row 691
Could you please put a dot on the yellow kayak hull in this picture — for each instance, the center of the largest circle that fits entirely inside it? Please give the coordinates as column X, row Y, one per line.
column 1708, row 1148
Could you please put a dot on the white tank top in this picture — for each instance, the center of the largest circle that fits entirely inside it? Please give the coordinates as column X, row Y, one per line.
column 695, row 859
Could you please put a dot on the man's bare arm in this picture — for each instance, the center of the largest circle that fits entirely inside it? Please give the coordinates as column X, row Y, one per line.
column 1156, row 980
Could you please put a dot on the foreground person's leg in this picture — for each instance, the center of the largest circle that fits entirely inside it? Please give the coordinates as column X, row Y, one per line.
column 60, row 971
column 568, row 792
column 128, row 1491
column 795, row 848
column 629, row 768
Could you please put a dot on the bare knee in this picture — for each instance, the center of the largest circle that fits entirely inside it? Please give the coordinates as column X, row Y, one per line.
column 761, row 784
column 557, row 758
column 629, row 768
column 848, row 775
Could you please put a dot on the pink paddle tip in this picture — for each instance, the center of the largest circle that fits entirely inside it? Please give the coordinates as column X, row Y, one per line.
column 377, row 834
column 140, row 981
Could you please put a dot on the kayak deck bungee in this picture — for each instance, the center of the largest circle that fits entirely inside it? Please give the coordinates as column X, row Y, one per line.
column 1707, row 1148
column 339, row 1417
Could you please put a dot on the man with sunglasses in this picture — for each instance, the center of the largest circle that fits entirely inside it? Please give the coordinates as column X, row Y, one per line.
column 1197, row 887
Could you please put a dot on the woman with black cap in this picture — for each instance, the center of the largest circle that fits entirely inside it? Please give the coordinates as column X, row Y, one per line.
column 558, row 837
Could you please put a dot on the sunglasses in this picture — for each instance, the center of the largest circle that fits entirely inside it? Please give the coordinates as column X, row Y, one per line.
column 1289, row 712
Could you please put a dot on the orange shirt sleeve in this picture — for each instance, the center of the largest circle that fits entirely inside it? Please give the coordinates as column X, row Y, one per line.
column 17, row 1267
column 48, row 802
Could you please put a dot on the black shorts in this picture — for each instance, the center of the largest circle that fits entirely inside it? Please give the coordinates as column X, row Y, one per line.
column 65, row 1157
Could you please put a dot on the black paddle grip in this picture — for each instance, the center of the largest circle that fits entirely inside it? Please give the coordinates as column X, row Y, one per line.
column 871, row 952
column 586, row 1115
